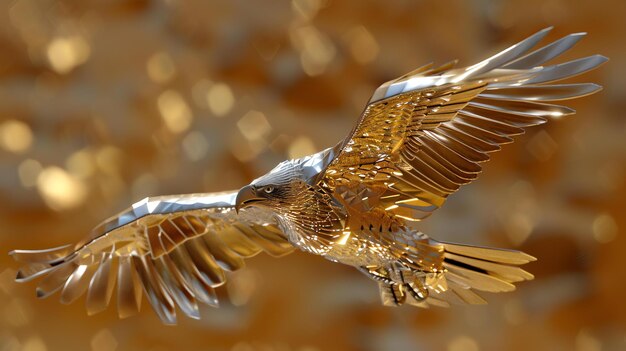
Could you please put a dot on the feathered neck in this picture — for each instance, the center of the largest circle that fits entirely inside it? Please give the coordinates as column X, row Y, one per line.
column 310, row 219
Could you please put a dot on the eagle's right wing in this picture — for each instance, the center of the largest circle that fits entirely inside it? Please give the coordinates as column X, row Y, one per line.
column 176, row 249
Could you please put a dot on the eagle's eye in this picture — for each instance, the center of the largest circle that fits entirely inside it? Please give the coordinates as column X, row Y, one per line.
column 268, row 189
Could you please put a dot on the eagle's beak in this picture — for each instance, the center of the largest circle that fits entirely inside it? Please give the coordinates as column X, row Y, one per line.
column 245, row 197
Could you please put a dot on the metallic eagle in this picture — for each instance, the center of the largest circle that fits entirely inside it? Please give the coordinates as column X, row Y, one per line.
column 420, row 137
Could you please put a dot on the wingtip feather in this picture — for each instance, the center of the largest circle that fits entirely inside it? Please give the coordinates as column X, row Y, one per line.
column 601, row 58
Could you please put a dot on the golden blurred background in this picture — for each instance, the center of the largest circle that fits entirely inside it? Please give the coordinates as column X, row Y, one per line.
column 105, row 102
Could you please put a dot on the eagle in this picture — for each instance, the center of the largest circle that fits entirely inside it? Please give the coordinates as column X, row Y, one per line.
column 420, row 137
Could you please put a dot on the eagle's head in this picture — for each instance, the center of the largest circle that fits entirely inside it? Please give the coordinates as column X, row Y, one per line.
column 291, row 191
column 277, row 189
column 290, row 182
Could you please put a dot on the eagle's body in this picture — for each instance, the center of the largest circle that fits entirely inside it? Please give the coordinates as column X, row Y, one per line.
column 419, row 139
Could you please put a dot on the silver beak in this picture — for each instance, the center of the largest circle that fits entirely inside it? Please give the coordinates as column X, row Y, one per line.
column 245, row 197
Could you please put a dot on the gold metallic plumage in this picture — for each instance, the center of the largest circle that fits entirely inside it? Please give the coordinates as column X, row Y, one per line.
column 420, row 138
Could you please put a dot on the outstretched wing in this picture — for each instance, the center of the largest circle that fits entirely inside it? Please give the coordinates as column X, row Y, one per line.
column 176, row 248
column 425, row 134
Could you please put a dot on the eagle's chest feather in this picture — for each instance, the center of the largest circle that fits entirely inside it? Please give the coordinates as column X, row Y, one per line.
column 366, row 237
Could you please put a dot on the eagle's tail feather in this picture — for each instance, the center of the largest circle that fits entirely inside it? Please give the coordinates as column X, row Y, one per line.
column 474, row 268
column 466, row 269
column 485, row 269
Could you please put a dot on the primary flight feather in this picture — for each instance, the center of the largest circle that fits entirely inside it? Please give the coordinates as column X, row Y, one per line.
column 419, row 139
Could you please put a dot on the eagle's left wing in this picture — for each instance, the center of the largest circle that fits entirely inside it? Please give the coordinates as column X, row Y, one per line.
column 176, row 249
column 425, row 134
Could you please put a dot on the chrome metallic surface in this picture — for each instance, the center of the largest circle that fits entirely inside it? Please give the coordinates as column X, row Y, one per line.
column 419, row 139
